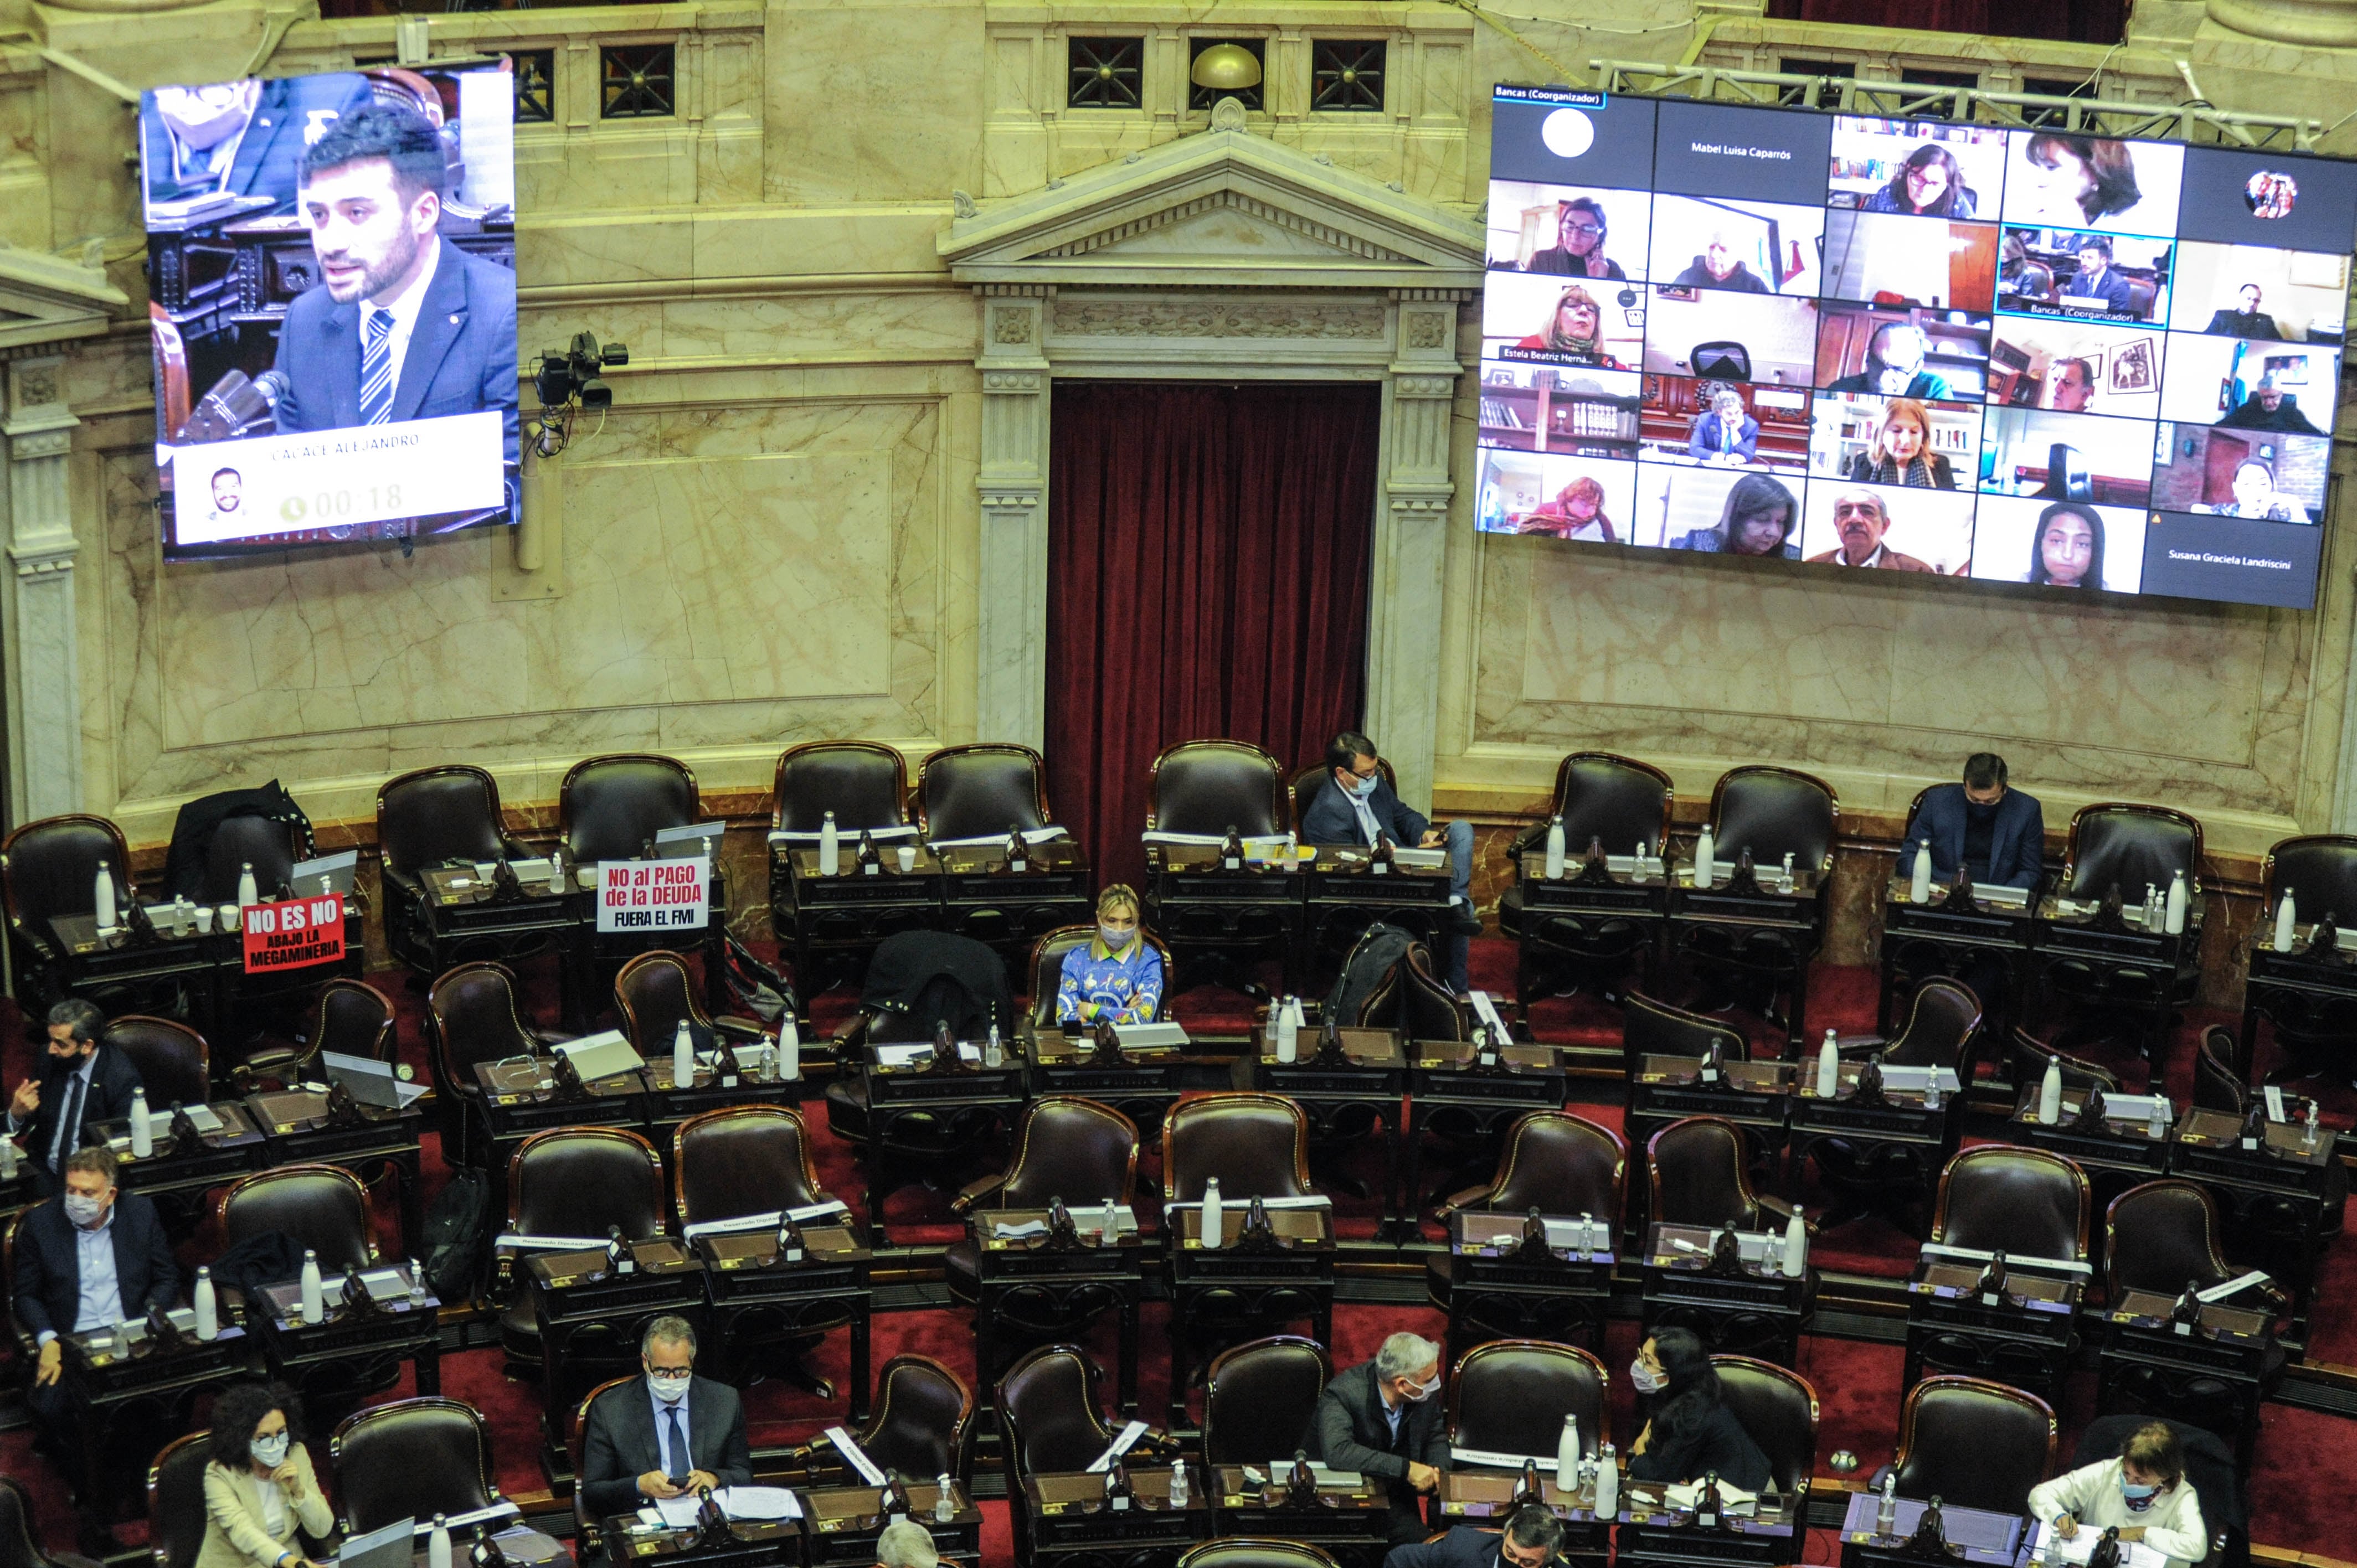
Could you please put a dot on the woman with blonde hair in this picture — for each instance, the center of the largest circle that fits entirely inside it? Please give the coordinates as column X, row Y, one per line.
column 1900, row 452
column 1115, row 977
column 1575, row 325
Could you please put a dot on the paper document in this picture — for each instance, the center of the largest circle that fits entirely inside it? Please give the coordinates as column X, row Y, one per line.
column 856, row 1455
column 847, row 837
column 737, row 1502
column 515, row 1241
column 1212, row 841
column 1030, row 835
column 2233, row 1287
column 1121, row 1446
column 770, row 1220
column 1736, row 1500
column 2080, row 1547
column 160, row 1122
column 909, row 1055
column 1498, row 1461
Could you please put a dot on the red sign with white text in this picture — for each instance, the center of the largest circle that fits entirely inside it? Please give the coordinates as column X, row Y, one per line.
column 296, row 934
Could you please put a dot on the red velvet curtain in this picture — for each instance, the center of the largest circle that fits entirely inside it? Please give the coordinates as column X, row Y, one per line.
column 2082, row 21
column 1208, row 549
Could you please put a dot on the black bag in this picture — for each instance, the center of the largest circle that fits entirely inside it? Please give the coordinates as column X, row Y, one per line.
column 757, row 990
column 1379, row 950
column 454, row 1234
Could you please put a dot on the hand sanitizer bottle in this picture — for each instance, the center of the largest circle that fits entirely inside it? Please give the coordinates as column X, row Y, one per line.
column 2158, row 1124
column 993, row 1049
column 143, row 1130
column 207, row 1308
column 1215, row 1219
column 315, row 1302
column 1919, row 884
column 682, row 1057
column 1554, row 849
column 1886, row 1508
column 830, row 847
column 2179, row 895
column 1705, row 858
column 1178, row 1493
column 248, row 895
column 417, row 1292
column 1828, row 1067
column 944, row 1499
column 2050, row 1094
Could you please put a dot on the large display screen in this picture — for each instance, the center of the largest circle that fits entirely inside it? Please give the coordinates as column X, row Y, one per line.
column 331, row 277
column 2012, row 356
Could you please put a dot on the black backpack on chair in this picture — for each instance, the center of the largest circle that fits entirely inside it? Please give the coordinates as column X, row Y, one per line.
column 455, row 1232
column 1379, row 950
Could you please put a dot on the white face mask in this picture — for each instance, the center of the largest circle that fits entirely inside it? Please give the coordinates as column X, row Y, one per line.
column 670, row 1385
column 1364, row 788
column 269, row 1452
column 1116, row 937
column 84, row 1211
column 1422, row 1392
column 1647, row 1381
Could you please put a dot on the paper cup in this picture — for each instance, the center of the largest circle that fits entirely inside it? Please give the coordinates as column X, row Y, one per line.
column 204, row 920
column 908, row 854
column 231, row 917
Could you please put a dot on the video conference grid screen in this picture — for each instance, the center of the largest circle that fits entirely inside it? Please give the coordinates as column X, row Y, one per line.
column 2014, row 355
column 331, row 274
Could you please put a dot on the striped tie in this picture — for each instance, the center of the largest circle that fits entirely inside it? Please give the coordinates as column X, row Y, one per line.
column 376, row 368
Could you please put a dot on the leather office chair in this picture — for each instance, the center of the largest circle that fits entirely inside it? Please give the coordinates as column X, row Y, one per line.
column 588, row 1530
column 1257, row 1145
column 922, row 1427
column 323, row 1208
column 269, row 846
column 1413, row 999
column 176, row 1500
column 1696, row 1174
column 2160, row 1235
column 2313, row 1029
column 654, row 994
column 610, row 807
column 1509, row 1396
column 1240, row 1552
column 740, row 1160
column 1651, row 1028
column 1210, row 786
column 1943, row 1023
column 348, row 1017
column 1722, row 358
column 472, row 1016
column 1599, row 795
column 966, row 791
column 1773, row 812
column 1975, row 1443
column 2216, row 1085
column 424, row 817
column 1558, row 1163
column 411, row 1459
column 2024, row 1202
column 1778, row 1410
column 864, row 785
column 173, row 1059
column 1047, row 970
column 1051, row 1419
column 579, row 1181
column 2030, row 1056
column 2120, row 847
column 1258, row 1398
column 49, row 868
column 1065, row 1147
column 19, row 1549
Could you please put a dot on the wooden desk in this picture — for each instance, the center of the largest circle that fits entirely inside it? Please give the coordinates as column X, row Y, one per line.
column 591, row 1320
column 2312, row 994
column 1450, row 1096
column 840, row 1524
column 2154, row 1364
column 1762, row 937
column 2271, row 1200
column 1344, row 895
column 1010, row 911
column 149, row 1395
column 835, row 922
column 517, row 1098
column 1351, row 1522
column 1493, row 1287
column 1142, row 1086
column 1249, row 914
column 460, row 916
column 1905, row 1135
column 1485, row 1499
column 2121, row 1154
column 1071, row 1522
column 178, row 1183
column 1755, row 1096
column 1253, row 1287
column 297, row 1130
column 2125, row 968
column 353, row 1353
column 919, row 1117
column 1921, row 941
column 753, row 1296
column 2022, row 1336
column 760, row 1543
column 1758, row 1311
column 177, row 977
column 1603, row 927
column 667, row 1104
column 1341, row 1103
column 1975, row 1535
column 1067, row 1282
column 1651, row 1532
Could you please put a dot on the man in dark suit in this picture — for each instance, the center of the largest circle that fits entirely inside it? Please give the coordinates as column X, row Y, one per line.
column 2096, row 280
column 1531, row 1539
column 668, row 1433
column 90, row 1258
column 82, row 1082
column 2249, row 321
column 402, row 325
column 1355, row 804
column 1726, row 433
column 1381, row 1418
column 242, row 138
column 2269, row 407
column 1999, row 833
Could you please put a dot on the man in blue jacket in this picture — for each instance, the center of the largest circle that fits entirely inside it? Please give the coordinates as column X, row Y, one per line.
column 1999, row 833
column 1354, row 804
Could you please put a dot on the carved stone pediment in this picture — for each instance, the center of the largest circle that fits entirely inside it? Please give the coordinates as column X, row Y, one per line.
column 1223, row 209
column 46, row 299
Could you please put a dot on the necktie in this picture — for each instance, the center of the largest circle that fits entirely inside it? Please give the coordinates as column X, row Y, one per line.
column 677, row 1440
column 376, row 368
column 69, row 1125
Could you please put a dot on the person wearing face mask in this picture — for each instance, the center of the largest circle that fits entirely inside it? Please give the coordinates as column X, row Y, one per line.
column 2143, row 1492
column 1689, row 1432
column 81, row 1082
column 1999, row 833
column 259, row 1487
column 1115, row 977
column 1380, row 1418
column 1532, row 1538
column 89, row 1258
column 667, row 1435
column 1355, row 804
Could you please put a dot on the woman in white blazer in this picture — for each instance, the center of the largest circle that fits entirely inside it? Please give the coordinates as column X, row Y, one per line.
column 259, row 1486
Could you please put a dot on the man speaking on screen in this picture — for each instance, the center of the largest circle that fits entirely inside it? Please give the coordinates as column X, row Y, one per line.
column 402, row 325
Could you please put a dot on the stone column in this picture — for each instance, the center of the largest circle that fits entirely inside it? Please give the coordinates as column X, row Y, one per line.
column 1411, row 531
column 2330, row 23
column 1011, row 679
column 44, row 686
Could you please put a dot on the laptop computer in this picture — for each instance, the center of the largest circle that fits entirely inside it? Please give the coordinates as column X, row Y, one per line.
column 338, row 869
column 389, row 1546
column 693, row 838
column 368, row 1081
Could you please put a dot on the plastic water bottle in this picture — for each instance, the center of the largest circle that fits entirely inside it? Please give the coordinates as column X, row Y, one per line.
column 2050, row 1094
column 1179, row 1483
column 2173, row 920
column 830, row 847
column 682, row 1057
column 1796, row 1246
column 143, row 1130
column 944, row 1497
column 1288, row 1031
column 1919, row 885
column 315, row 1301
column 1215, row 1219
column 1828, row 1067
column 102, row 898
column 1292, row 851
column 1586, row 1234
column 1886, row 1508
column 1607, row 1483
column 1566, row 1456
column 1554, row 849
column 1705, row 858
column 790, row 1049
column 2159, row 1125
column 248, row 895
column 437, row 1544
column 417, row 1283
column 993, row 1049
column 208, row 1306
column 8, row 1159
column 2287, row 921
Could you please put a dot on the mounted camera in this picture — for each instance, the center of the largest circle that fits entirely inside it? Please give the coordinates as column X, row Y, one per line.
column 569, row 378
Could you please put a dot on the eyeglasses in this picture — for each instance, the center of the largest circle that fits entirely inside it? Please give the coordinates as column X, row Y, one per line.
column 1588, row 230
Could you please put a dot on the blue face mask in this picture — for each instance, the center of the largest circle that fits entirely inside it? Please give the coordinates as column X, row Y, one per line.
column 2138, row 1495
column 1364, row 788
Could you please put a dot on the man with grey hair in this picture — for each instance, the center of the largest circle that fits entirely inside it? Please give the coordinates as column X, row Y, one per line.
column 664, row 1434
column 1380, row 1418
column 905, row 1544
column 1532, row 1538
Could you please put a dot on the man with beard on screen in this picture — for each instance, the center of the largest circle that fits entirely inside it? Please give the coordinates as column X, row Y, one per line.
column 402, row 325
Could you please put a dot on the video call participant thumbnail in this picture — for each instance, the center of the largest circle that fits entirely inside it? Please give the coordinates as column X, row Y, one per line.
column 2244, row 562
column 1900, row 451
column 1895, row 365
column 2259, row 293
column 402, row 325
column 1921, row 168
column 1717, row 336
column 2253, row 385
column 2067, row 456
column 1574, row 332
column 1884, row 527
column 1565, row 136
column 2254, row 474
column 1741, row 153
column 2058, row 544
column 2273, row 199
column 2067, row 181
column 1753, row 247
column 1758, row 516
column 1946, row 266
column 1861, row 518
column 1581, row 228
column 2270, row 407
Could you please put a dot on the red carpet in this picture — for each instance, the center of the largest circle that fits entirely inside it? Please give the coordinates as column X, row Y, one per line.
column 2294, row 1497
